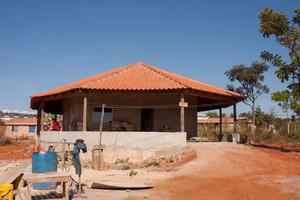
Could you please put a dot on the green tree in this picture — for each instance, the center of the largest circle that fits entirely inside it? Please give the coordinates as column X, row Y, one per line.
column 287, row 34
column 285, row 101
column 250, row 83
column 263, row 118
column 214, row 114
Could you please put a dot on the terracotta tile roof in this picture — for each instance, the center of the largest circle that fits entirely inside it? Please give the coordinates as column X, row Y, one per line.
column 21, row 121
column 138, row 76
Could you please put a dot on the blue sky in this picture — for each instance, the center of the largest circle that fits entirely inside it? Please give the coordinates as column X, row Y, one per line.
column 44, row 44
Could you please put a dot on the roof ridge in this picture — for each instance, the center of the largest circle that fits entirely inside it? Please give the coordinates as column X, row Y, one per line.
column 159, row 71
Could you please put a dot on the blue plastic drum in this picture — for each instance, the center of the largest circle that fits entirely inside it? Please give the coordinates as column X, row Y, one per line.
column 44, row 162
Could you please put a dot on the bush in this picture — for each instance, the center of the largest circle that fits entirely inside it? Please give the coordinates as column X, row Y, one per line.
column 5, row 141
column 152, row 163
column 132, row 173
column 125, row 166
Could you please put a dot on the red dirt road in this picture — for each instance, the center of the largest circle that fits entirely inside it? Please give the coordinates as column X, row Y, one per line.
column 16, row 150
column 227, row 171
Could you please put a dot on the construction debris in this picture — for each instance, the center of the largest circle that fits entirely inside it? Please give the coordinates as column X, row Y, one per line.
column 122, row 126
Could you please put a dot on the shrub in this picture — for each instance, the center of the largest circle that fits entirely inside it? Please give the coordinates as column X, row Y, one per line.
column 5, row 141
column 132, row 173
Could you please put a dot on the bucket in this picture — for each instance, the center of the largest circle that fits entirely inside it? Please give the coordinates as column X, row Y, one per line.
column 44, row 162
column 6, row 191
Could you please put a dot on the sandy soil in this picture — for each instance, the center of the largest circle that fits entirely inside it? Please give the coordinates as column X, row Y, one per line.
column 16, row 150
column 229, row 171
column 212, row 171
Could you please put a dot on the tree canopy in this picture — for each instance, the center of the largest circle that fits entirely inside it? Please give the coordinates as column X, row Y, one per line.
column 251, row 84
column 250, row 80
column 287, row 34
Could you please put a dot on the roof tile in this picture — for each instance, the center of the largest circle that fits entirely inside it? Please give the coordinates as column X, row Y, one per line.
column 138, row 76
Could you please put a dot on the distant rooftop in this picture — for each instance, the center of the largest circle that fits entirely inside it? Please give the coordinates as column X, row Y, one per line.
column 21, row 121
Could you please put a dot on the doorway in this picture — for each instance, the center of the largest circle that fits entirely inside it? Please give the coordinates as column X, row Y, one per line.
column 146, row 119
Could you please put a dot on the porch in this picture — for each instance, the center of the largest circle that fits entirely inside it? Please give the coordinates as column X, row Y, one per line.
column 138, row 102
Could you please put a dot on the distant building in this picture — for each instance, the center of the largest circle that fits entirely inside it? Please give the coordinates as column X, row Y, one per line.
column 19, row 128
column 208, row 124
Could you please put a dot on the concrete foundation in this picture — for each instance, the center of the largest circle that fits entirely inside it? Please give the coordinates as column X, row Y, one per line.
column 136, row 146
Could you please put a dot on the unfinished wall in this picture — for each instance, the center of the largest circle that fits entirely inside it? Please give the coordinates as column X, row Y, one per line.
column 170, row 117
column 132, row 116
column 133, row 145
column 167, row 117
column 190, row 117
column 23, row 131
column 2, row 130
column 72, row 114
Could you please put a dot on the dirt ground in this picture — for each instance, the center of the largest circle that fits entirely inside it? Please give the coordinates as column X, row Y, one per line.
column 212, row 171
column 17, row 150
column 229, row 171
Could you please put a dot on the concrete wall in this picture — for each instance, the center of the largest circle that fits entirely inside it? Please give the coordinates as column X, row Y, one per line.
column 136, row 146
column 72, row 114
column 190, row 115
column 167, row 117
column 132, row 116
column 23, row 131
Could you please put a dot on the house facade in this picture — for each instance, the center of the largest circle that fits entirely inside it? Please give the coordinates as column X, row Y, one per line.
column 25, row 128
column 212, row 124
column 144, row 106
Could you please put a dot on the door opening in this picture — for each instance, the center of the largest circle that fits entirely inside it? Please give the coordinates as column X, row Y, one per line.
column 146, row 119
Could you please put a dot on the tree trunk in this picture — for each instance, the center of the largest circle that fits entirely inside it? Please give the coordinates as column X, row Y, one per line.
column 287, row 122
column 253, row 121
column 288, row 127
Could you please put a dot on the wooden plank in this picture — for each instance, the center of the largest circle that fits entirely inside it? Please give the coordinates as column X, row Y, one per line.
column 84, row 114
column 67, row 190
column 63, row 149
column 42, row 116
column 37, row 196
column 69, row 157
column 46, row 174
column 234, row 119
column 221, row 123
column 182, row 114
column 213, row 96
column 52, row 195
column 119, row 186
column 29, row 191
column 47, row 179
column 183, row 104
column 23, row 196
column 39, row 125
column 44, row 195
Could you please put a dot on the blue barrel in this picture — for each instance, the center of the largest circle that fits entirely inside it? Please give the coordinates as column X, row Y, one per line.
column 44, row 162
